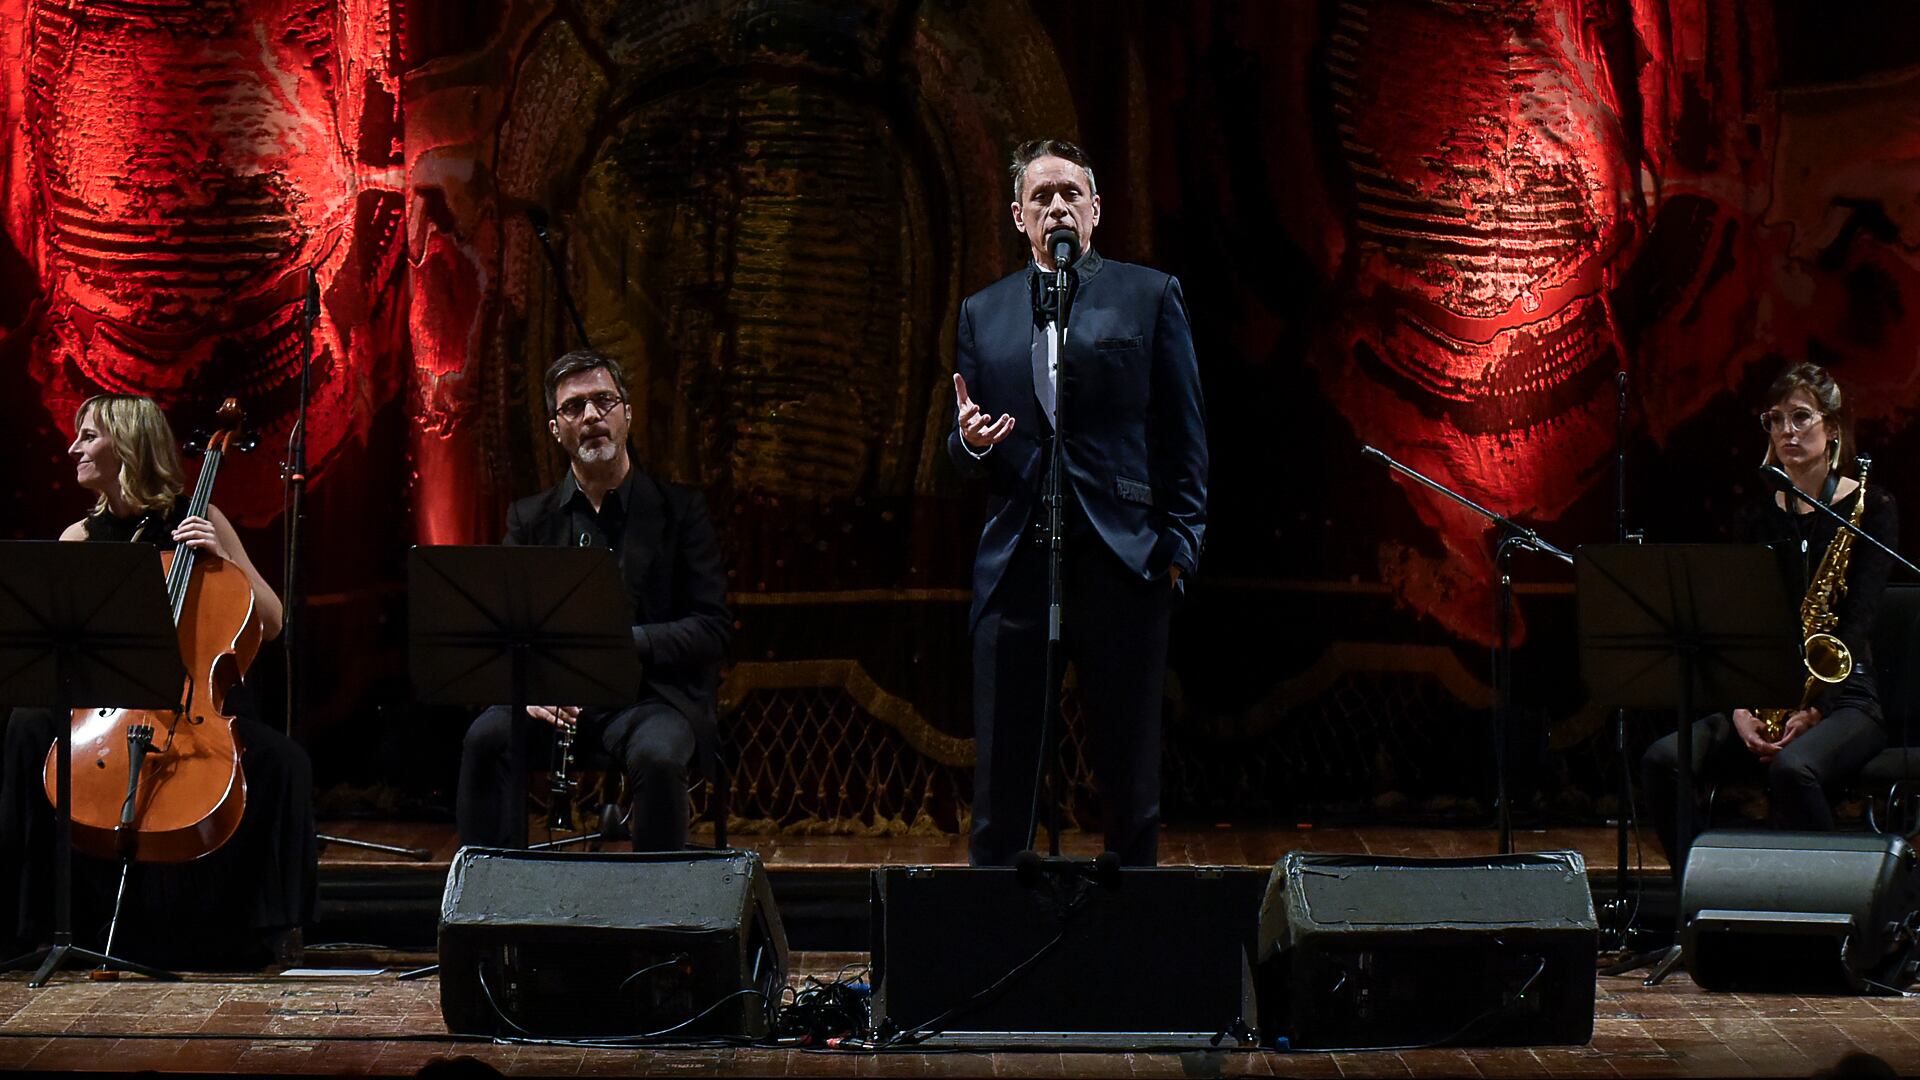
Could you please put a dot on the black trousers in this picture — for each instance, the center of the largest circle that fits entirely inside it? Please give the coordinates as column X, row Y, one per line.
column 218, row 909
column 652, row 739
column 1114, row 631
column 1800, row 780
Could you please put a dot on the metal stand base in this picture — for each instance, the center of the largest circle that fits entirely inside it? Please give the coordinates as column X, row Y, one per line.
column 57, row 955
column 1664, row 968
column 419, row 854
column 566, row 842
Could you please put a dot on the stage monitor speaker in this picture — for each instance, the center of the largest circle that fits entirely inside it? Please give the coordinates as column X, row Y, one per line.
column 578, row 944
column 1798, row 911
column 1144, row 957
column 1371, row 952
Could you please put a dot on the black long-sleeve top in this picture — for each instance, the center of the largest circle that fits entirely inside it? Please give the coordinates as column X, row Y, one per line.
column 1803, row 540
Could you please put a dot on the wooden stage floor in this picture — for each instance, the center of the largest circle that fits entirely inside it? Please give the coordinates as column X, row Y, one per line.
column 363, row 1024
column 1191, row 846
column 376, row 1025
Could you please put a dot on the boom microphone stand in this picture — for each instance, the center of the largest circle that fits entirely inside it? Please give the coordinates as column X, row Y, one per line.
column 1514, row 537
column 1055, row 302
column 1777, row 479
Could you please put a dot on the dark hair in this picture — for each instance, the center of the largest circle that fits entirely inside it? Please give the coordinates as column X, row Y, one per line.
column 576, row 362
column 1818, row 385
column 1033, row 149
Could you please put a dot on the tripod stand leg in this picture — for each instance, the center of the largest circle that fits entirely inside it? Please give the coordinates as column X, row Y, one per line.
column 1664, row 968
column 418, row 854
column 56, row 956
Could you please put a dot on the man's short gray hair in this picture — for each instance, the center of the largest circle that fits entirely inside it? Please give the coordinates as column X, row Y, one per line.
column 576, row 362
column 1033, row 149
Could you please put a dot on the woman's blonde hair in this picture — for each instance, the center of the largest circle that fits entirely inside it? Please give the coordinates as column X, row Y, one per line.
column 150, row 475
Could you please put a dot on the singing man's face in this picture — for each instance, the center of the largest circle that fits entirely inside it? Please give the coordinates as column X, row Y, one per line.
column 1055, row 192
column 595, row 435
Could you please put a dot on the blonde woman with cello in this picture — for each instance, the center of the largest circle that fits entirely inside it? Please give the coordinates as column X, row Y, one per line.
column 243, row 902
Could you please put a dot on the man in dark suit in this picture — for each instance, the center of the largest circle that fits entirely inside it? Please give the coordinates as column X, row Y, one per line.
column 1127, row 396
column 670, row 560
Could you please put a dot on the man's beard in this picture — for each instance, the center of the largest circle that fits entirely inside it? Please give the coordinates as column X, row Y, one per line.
column 599, row 453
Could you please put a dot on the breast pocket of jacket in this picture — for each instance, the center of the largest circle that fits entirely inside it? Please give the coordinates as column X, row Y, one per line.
column 1118, row 383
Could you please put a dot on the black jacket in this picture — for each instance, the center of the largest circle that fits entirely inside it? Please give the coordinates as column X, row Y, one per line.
column 1802, row 540
column 1129, row 400
column 675, row 578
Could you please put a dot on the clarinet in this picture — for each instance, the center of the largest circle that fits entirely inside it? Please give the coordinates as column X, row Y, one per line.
column 561, row 784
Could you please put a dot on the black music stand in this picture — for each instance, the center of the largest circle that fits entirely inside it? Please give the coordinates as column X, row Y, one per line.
column 83, row 625
column 1690, row 626
column 519, row 625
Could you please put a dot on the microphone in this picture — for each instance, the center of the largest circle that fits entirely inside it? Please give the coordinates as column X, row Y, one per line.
column 538, row 218
column 1027, row 869
column 1777, row 479
column 1030, row 868
column 1064, row 243
column 312, row 310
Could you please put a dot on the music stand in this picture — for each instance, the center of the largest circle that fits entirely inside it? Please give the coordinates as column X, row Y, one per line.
column 519, row 625
column 83, row 625
column 1687, row 626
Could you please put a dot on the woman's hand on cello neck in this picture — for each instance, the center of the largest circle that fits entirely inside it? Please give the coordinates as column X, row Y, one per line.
column 201, row 535
column 215, row 535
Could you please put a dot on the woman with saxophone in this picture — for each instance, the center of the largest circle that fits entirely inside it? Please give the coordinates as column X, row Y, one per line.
column 1804, row 751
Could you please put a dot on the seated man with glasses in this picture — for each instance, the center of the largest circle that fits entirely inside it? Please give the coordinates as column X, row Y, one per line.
column 670, row 560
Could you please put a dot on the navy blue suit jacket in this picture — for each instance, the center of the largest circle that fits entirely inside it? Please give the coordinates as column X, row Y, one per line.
column 1129, row 401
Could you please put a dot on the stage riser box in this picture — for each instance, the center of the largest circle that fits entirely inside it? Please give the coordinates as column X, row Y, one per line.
column 1163, row 958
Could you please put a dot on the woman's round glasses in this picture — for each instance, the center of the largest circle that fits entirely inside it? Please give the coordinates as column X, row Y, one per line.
column 1794, row 420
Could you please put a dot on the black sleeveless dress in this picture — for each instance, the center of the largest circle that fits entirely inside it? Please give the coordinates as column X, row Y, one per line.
column 223, row 910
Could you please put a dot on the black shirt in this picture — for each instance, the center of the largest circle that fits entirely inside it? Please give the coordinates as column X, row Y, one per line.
column 1802, row 540
column 146, row 527
column 602, row 528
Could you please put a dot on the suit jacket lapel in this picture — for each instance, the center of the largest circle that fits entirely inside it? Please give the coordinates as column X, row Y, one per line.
column 552, row 529
column 1012, row 344
column 646, row 524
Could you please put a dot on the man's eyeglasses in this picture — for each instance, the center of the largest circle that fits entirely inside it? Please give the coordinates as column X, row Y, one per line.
column 603, row 403
column 1796, row 421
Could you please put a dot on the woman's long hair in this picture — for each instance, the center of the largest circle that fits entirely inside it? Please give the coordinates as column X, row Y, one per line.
column 150, row 475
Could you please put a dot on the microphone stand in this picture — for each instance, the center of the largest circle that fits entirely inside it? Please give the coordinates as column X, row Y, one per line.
column 538, row 219
column 1624, row 816
column 293, row 623
column 1056, row 303
column 1514, row 537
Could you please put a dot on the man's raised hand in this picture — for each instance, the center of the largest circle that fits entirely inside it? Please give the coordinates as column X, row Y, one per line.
column 975, row 427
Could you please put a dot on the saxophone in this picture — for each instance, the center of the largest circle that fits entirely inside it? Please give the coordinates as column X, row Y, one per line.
column 1828, row 659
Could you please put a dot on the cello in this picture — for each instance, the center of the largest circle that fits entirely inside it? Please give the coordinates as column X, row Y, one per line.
column 166, row 785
